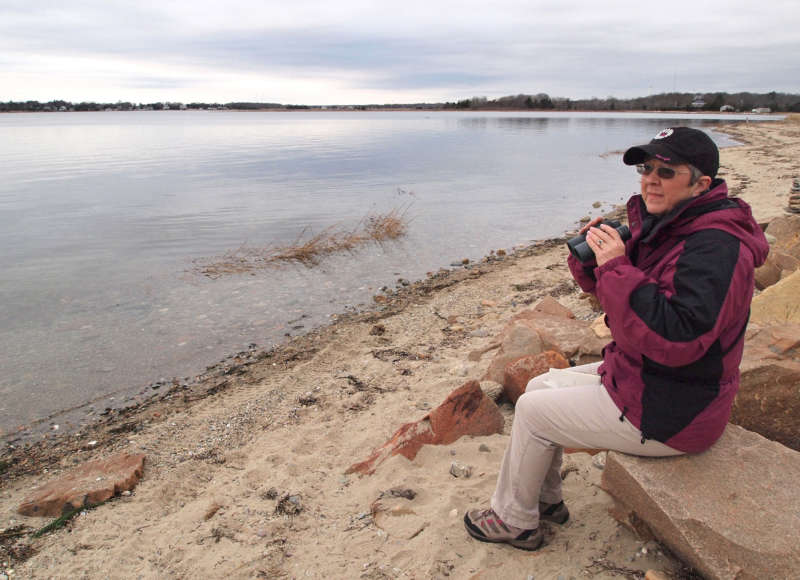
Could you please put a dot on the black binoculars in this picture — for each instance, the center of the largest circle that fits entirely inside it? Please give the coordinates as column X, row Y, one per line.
column 581, row 250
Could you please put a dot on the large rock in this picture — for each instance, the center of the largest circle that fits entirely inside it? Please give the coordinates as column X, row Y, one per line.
column 778, row 303
column 730, row 512
column 522, row 370
column 551, row 306
column 517, row 339
column 786, row 231
column 777, row 266
column 768, row 401
column 90, row 484
column 547, row 326
column 466, row 411
column 571, row 337
column 600, row 328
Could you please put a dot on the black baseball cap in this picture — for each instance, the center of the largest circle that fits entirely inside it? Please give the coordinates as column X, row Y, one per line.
column 677, row 145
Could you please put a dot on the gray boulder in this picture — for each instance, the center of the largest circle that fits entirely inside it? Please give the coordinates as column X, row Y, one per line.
column 730, row 512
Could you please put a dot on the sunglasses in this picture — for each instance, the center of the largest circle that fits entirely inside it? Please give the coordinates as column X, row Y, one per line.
column 663, row 172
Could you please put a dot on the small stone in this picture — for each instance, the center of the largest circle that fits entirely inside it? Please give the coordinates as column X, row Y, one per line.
column 461, row 371
column 458, row 469
column 453, row 513
column 271, row 493
column 289, row 505
column 378, row 330
column 488, row 303
column 596, row 204
column 483, row 448
column 599, row 460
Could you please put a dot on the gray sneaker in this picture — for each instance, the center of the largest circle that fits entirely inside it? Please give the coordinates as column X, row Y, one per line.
column 486, row 526
column 554, row 512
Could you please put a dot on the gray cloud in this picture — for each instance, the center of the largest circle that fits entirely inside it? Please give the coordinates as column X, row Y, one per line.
column 443, row 50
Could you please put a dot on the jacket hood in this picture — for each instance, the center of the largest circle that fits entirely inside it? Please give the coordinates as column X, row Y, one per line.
column 713, row 210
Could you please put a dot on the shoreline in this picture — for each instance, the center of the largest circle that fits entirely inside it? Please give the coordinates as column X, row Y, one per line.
column 21, row 436
column 242, row 426
column 77, row 416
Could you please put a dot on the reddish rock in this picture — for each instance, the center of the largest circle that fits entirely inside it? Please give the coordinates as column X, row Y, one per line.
column 730, row 512
column 571, row 337
column 519, row 338
column 90, row 484
column 533, row 331
column 465, row 411
column 519, row 372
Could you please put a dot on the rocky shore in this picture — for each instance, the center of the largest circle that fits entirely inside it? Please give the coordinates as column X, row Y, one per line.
column 245, row 468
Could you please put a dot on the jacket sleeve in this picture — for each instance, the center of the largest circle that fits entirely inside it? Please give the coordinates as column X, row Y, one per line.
column 675, row 323
column 583, row 273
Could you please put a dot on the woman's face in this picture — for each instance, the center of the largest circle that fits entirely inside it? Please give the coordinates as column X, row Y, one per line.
column 662, row 195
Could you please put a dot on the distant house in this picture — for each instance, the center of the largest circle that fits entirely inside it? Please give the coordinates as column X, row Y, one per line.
column 727, row 108
column 762, row 110
column 699, row 102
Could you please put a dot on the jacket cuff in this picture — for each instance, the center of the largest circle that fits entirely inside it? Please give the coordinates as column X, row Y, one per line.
column 611, row 264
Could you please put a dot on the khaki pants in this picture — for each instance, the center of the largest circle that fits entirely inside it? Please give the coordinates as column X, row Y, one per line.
column 561, row 408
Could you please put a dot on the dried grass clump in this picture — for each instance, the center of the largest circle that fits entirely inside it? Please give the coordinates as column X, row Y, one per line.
column 374, row 228
column 389, row 226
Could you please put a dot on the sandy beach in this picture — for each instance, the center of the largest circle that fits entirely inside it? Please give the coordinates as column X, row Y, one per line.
column 245, row 469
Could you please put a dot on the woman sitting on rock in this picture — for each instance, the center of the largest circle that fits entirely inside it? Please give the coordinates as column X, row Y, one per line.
column 677, row 298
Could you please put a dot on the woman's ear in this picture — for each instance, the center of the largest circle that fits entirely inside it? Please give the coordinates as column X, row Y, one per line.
column 701, row 185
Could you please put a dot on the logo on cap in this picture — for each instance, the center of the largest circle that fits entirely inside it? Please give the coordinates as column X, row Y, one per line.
column 664, row 134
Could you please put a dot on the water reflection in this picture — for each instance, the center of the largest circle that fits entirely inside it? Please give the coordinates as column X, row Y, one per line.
column 102, row 215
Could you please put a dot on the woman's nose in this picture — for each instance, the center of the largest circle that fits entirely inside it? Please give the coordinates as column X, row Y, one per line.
column 651, row 177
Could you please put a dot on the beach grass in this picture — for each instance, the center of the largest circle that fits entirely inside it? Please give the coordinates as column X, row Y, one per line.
column 309, row 249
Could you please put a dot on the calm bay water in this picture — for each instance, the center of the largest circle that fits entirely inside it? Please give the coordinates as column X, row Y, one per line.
column 103, row 215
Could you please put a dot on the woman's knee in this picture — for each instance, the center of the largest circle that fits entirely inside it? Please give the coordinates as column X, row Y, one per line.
column 537, row 382
column 529, row 405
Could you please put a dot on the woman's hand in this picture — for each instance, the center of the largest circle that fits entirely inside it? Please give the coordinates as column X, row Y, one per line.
column 591, row 224
column 604, row 241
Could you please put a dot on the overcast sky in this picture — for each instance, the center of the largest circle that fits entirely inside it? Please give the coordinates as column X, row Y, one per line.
column 359, row 51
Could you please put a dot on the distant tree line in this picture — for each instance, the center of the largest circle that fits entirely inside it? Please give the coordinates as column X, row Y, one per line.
column 779, row 102
column 776, row 102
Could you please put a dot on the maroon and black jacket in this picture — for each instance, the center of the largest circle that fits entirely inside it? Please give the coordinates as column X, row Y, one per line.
column 677, row 304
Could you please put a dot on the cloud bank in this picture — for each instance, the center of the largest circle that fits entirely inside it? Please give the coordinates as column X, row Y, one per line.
column 365, row 52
